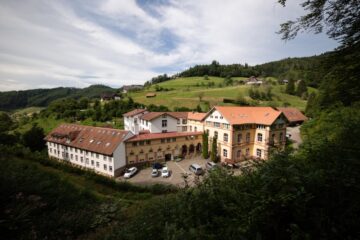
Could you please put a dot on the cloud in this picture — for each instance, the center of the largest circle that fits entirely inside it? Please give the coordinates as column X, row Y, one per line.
column 113, row 42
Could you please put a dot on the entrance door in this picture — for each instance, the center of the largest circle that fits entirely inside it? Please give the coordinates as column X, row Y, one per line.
column 167, row 157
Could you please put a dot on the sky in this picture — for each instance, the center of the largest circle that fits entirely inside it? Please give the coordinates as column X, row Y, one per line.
column 77, row 43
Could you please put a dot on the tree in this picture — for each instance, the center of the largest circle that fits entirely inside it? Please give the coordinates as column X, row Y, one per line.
column 200, row 95
column 34, row 138
column 205, row 149
column 290, row 87
column 301, row 88
column 206, row 77
column 198, row 108
column 214, row 155
column 340, row 17
column 83, row 103
column 5, row 122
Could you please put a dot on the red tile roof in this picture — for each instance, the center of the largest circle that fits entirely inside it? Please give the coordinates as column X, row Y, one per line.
column 293, row 114
column 196, row 116
column 134, row 112
column 151, row 115
column 247, row 115
column 151, row 136
column 94, row 139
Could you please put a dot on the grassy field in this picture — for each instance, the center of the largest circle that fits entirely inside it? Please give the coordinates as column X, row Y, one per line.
column 185, row 92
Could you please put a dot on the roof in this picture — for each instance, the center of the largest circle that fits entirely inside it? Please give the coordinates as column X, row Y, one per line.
column 151, row 136
column 94, row 139
column 246, row 115
column 150, row 94
column 292, row 114
column 134, row 112
column 196, row 116
column 152, row 115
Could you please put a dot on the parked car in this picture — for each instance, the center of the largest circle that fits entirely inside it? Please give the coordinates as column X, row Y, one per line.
column 196, row 168
column 130, row 172
column 154, row 172
column 211, row 166
column 165, row 172
column 157, row 166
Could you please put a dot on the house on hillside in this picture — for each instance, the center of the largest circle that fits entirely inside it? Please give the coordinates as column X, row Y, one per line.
column 293, row 115
column 150, row 95
column 254, row 81
column 109, row 96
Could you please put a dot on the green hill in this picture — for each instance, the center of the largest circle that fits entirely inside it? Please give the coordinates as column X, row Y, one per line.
column 185, row 92
column 42, row 97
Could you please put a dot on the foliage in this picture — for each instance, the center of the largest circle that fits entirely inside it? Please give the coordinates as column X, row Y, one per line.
column 290, row 87
column 340, row 17
column 205, row 144
column 6, row 123
column 214, row 151
column 301, row 88
column 34, row 138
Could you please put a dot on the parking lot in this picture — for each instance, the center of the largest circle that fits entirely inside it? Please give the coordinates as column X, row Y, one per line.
column 177, row 169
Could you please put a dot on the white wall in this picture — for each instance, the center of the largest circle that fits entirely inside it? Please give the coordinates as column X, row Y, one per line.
column 156, row 124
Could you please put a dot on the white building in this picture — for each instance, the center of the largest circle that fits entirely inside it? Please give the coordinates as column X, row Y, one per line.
column 132, row 120
column 98, row 149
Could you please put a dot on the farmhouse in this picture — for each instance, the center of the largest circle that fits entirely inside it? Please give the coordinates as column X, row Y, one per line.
column 150, row 95
column 293, row 115
column 109, row 96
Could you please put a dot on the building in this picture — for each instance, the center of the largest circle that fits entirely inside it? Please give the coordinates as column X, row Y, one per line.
column 253, row 81
column 150, row 95
column 245, row 132
column 293, row 115
column 150, row 147
column 99, row 149
column 109, row 96
column 241, row 133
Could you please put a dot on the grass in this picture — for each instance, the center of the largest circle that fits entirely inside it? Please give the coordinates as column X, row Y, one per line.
column 185, row 93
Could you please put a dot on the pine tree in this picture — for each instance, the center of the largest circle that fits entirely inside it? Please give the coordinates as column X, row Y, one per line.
column 213, row 155
column 290, row 87
column 205, row 149
column 301, row 88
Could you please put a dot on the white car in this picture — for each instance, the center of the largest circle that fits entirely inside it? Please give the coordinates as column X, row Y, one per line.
column 154, row 172
column 130, row 172
column 165, row 172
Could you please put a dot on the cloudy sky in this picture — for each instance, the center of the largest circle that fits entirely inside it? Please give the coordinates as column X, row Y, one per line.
column 75, row 43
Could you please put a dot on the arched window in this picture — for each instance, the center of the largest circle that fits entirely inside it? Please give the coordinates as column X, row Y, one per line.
column 238, row 153
column 239, row 138
column 226, row 137
column 247, row 137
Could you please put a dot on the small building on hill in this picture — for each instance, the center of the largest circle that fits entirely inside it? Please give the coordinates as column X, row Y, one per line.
column 293, row 115
column 150, row 95
column 109, row 96
column 127, row 88
column 254, row 81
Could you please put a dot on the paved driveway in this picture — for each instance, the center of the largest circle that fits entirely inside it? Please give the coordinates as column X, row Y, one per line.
column 176, row 178
column 295, row 135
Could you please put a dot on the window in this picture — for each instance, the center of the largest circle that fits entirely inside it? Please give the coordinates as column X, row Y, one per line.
column 81, row 159
column 238, row 153
column 259, row 137
column 247, row 151
column 164, row 116
column 55, row 151
column 87, row 161
column 178, row 121
column 162, row 140
column 134, row 144
column 105, row 167
column 97, row 155
column 71, row 156
column 216, row 134
column 174, row 139
column 190, row 129
column 50, row 150
column 239, row 138
column 216, row 124
column 226, row 137
column 97, row 164
column 110, row 168
column 258, row 153
column 168, row 140
column 75, row 150
column 195, row 129
column 247, row 137
column 164, row 123
column 105, row 158
column 281, row 137
column 272, row 138
column 184, row 128
column 81, row 151
column 110, row 160
column 225, row 153
column 226, row 126
column 141, row 143
column 76, row 158
column 184, row 121
column 92, row 162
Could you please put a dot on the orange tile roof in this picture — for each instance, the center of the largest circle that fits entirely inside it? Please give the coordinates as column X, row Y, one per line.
column 246, row 115
column 151, row 115
column 94, row 139
column 134, row 112
column 292, row 114
column 178, row 114
column 151, row 136
column 196, row 116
